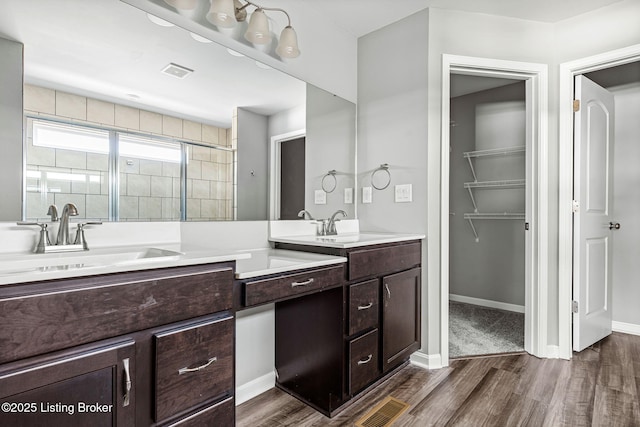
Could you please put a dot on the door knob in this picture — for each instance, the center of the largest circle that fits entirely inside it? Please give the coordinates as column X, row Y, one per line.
column 614, row 225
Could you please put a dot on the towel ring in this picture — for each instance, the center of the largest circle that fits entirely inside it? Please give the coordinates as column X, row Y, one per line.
column 329, row 185
column 383, row 168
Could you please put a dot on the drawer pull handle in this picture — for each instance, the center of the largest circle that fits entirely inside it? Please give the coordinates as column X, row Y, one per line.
column 386, row 285
column 364, row 307
column 305, row 283
column 365, row 361
column 127, row 383
column 197, row 368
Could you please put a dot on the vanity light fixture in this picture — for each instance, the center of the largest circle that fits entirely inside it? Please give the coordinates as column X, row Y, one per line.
column 227, row 13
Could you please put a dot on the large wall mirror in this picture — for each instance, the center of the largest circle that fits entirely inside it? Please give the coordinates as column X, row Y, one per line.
column 134, row 119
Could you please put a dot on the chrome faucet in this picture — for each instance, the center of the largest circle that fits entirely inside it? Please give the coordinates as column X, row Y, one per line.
column 53, row 213
column 304, row 212
column 330, row 229
column 62, row 243
column 63, row 230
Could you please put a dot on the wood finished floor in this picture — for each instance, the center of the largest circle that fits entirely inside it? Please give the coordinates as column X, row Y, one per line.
column 600, row 386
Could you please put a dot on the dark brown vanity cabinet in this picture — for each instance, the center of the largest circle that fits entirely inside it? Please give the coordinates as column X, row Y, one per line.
column 333, row 346
column 86, row 385
column 154, row 347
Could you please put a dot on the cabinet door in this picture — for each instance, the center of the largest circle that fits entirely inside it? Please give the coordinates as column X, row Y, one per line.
column 84, row 386
column 400, row 317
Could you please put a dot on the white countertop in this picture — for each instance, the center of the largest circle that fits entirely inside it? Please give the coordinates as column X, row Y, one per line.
column 30, row 267
column 347, row 240
column 270, row 261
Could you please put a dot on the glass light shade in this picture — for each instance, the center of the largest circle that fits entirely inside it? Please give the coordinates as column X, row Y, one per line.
column 182, row 4
column 288, row 44
column 258, row 31
column 222, row 13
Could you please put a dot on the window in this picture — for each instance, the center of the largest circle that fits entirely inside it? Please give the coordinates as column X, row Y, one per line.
column 115, row 175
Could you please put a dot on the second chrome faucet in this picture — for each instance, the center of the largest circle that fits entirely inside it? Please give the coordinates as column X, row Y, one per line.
column 327, row 226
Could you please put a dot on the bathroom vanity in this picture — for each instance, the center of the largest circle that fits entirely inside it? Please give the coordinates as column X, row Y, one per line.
column 335, row 345
column 152, row 347
column 153, row 343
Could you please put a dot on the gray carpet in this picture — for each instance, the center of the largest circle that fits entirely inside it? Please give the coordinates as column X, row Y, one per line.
column 476, row 330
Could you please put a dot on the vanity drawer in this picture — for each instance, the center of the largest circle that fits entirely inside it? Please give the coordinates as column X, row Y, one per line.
column 387, row 259
column 363, row 306
column 220, row 414
column 277, row 288
column 363, row 361
column 106, row 306
column 193, row 364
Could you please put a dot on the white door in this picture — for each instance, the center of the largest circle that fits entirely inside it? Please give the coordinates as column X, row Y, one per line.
column 593, row 228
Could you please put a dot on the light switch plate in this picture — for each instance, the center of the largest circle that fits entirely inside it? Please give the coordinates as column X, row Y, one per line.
column 348, row 195
column 366, row 194
column 403, row 193
column 320, row 197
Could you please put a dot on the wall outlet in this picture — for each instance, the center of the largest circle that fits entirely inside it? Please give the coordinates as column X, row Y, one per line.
column 366, row 194
column 320, row 197
column 348, row 196
column 403, row 193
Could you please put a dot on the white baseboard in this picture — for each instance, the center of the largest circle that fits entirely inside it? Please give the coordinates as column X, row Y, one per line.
column 427, row 361
column 627, row 328
column 553, row 352
column 255, row 387
column 487, row 303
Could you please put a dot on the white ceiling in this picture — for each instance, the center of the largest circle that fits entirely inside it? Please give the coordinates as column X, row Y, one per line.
column 111, row 51
column 360, row 17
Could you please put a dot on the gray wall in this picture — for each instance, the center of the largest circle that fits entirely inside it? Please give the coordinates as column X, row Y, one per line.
column 11, row 129
column 331, row 123
column 400, row 84
column 626, row 205
column 253, row 155
column 493, row 267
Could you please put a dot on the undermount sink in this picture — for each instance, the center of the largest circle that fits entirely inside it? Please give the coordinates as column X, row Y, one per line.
column 91, row 259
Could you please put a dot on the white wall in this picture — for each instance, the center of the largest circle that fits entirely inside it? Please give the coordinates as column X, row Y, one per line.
column 11, row 129
column 399, row 85
column 599, row 31
column 287, row 121
column 626, row 205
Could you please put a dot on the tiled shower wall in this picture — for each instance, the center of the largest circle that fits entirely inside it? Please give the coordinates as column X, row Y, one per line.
column 149, row 189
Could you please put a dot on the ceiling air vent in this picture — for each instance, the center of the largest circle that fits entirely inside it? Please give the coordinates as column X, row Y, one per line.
column 177, row 71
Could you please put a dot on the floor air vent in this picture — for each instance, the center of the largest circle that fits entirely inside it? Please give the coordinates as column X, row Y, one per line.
column 384, row 414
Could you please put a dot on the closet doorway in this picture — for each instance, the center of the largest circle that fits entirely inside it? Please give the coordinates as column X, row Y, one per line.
column 536, row 194
column 487, row 187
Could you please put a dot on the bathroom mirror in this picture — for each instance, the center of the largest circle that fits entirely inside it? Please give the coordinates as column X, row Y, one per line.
column 101, row 63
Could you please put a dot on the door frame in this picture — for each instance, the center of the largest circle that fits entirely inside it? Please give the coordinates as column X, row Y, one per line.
column 568, row 71
column 274, row 169
column 536, row 284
